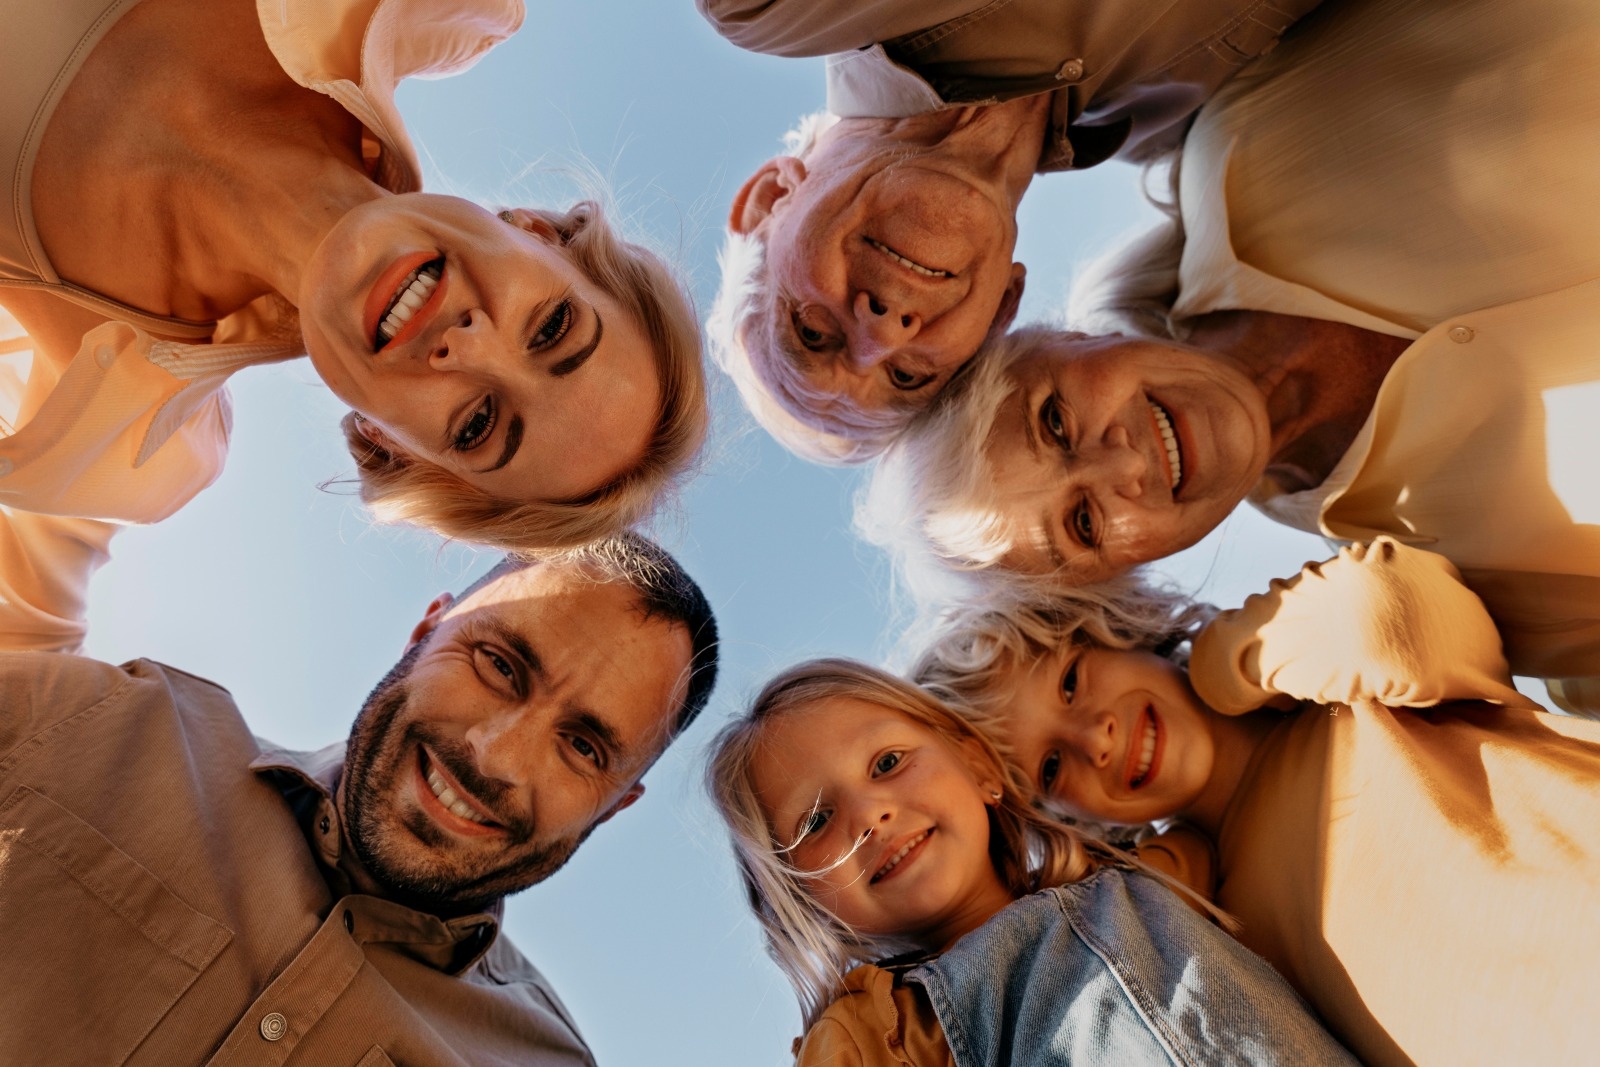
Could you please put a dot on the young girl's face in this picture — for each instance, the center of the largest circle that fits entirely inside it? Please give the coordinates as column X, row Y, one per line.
column 847, row 771
column 1116, row 737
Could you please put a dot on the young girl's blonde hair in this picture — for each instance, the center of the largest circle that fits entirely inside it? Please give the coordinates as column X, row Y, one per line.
column 398, row 487
column 813, row 948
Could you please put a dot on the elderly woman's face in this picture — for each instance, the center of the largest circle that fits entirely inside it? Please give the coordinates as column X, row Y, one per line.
column 1115, row 451
column 479, row 346
column 887, row 275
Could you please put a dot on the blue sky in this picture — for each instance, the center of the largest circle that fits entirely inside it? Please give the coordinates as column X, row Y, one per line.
column 284, row 593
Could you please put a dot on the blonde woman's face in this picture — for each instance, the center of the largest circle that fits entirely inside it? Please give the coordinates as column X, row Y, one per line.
column 1116, row 737
column 891, row 816
column 479, row 346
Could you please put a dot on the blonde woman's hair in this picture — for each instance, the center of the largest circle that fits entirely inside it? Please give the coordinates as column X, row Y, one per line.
column 808, row 942
column 810, row 422
column 399, row 487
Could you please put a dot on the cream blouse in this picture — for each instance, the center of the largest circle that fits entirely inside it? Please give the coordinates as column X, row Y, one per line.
column 1430, row 171
column 132, row 427
column 1426, row 878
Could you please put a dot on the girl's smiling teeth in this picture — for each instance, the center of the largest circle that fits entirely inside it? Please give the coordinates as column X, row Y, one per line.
column 1169, row 441
column 1146, row 752
column 895, row 860
column 412, row 293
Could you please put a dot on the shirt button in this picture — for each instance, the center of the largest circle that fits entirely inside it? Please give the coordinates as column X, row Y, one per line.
column 1071, row 71
column 349, row 922
column 274, row 1026
column 105, row 355
column 1461, row 334
column 323, row 824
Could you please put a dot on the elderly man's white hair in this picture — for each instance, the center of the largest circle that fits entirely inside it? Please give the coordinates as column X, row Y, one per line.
column 807, row 421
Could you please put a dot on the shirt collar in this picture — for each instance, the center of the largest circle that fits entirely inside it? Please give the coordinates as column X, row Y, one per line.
column 867, row 83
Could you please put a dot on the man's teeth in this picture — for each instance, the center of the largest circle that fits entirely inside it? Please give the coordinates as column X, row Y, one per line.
column 448, row 798
column 1170, row 439
column 1147, row 751
column 903, row 261
column 411, row 295
column 894, row 861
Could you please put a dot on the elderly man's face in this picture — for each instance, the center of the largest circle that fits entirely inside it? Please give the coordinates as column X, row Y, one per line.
column 889, row 267
column 518, row 720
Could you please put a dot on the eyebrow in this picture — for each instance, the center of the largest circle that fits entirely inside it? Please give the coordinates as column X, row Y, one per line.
column 581, row 356
column 513, row 442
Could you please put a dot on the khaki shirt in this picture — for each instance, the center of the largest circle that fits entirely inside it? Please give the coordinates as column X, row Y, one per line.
column 171, row 893
column 1124, row 76
column 1424, row 171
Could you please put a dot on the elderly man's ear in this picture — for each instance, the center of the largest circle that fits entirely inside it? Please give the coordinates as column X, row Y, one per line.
column 763, row 190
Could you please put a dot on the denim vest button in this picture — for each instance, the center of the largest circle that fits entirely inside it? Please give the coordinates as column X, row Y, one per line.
column 274, row 1026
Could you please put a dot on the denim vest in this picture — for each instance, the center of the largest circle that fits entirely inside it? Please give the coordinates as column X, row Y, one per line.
column 1115, row 969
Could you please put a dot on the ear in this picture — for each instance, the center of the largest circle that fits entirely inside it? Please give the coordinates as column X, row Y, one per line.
column 764, row 190
column 434, row 615
column 375, row 435
column 1010, row 301
column 984, row 773
column 533, row 223
column 635, row 791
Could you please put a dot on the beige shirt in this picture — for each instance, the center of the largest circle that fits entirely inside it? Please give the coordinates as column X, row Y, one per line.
column 1123, row 76
column 132, row 427
column 1426, row 879
column 172, row 894
column 1452, row 204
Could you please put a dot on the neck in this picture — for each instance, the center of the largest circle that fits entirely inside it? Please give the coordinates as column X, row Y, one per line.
column 1319, row 379
column 1235, row 740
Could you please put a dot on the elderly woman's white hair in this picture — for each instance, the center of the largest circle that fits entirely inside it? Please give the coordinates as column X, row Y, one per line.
column 774, row 389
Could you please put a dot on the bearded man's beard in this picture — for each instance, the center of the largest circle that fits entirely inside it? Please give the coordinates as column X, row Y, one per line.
column 403, row 851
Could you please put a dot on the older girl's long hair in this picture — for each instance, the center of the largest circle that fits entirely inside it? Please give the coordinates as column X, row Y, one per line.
column 810, row 944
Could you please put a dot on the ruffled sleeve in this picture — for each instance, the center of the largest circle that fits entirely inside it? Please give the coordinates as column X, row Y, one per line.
column 1382, row 622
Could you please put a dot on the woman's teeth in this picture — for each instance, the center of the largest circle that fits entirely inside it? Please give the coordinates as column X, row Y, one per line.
column 1147, row 751
column 894, row 861
column 448, row 798
column 904, row 262
column 411, row 295
column 1170, row 439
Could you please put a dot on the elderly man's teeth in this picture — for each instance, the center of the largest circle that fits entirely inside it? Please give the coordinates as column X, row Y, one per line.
column 894, row 861
column 903, row 261
column 412, row 294
column 1170, row 439
column 450, row 800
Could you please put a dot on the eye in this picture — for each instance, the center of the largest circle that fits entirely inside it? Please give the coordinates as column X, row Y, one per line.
column 885, row 763
column 1048, row 770
column 586, row 749
column 1082, row 525
column 477, row 428
column 549, row 333
column 1053, row 422
column 814, row 822
column 815, row 329
column 496, row 669
column 907, row 382
column 1069, row 680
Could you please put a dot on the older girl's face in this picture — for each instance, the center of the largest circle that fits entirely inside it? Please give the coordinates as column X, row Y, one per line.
column 892, row 816
column 479, row 346
column 1116, row 737
column 1115, row 451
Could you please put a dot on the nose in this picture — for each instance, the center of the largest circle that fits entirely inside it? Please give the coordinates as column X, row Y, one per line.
column 1095, row 737
column 1116, row 466
column 461, row 344
column 885, row 324
column 502, row 744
